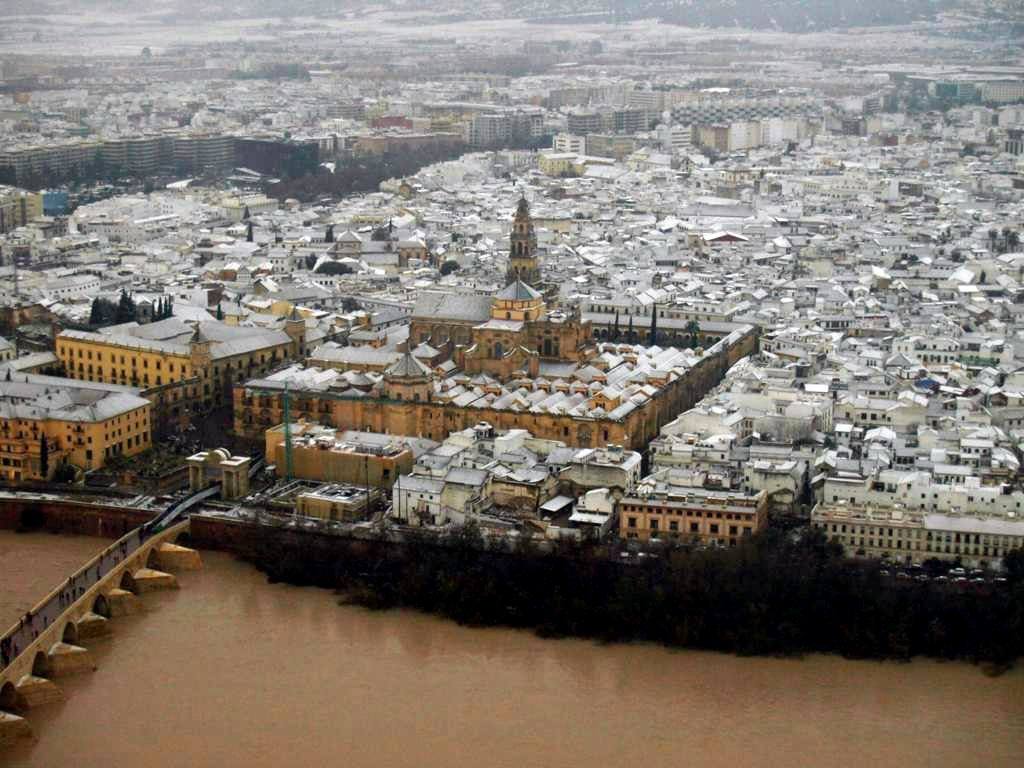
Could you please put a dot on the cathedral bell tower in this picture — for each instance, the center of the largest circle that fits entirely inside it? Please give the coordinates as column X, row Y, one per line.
column 522, row 257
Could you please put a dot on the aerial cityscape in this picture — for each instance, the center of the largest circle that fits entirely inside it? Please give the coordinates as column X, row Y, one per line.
column 420, row 384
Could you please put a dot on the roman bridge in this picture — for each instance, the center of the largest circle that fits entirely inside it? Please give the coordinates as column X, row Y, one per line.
column 47, row 643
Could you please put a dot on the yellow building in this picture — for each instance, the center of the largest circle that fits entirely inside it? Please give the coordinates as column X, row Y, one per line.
column 692, row 514
column 237, row 207
column 18, row 207
column 84, row 424
column 181, row 368
column 342, row 502
column 328, row 455
column 557, row 163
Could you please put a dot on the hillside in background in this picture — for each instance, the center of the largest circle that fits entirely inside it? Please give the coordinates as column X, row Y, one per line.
column 788, row 15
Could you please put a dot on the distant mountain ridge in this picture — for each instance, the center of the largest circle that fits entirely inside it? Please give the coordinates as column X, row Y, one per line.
column 787, row 15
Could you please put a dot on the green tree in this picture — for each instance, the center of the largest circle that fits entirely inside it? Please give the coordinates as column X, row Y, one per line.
column 220, row 312
column 449, row 266
column 693, row 331
column 1013, row 564
column 125, row 308
column 615, row 327
column 334, row 268
column 96, row 313
column 1012, row 240
column 65, row 473
column 653, row 339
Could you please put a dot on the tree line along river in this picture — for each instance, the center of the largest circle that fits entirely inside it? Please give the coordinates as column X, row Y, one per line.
column 233, row 671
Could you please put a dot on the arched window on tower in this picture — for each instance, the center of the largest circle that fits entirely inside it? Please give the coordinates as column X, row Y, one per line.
column 499, row 350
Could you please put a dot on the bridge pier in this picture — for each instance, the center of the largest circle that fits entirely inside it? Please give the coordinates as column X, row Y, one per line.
column 149, row 580
column 92, row 625
column 34, row 691
column 175, row 557
column 118, row 602
column 13, row 728
column 66, row 659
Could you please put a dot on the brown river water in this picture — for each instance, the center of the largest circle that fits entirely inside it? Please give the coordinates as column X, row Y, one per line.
column 232, row 671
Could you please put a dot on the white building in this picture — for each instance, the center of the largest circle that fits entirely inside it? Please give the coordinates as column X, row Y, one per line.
column 570, row 143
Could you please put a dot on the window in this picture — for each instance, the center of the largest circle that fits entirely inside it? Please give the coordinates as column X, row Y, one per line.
column 714, row 527
column 655, row 523
column 631, row 522
column 694, row 528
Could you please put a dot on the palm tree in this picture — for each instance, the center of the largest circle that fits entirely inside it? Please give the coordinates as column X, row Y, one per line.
column 693, row 331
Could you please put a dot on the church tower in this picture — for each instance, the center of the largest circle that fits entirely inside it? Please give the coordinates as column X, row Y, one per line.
column 522, row 257
column 295, row 327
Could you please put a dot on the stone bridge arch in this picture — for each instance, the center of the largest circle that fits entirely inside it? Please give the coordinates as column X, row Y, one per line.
column 41, row 664
column 70, row 633
column 10, row 701
column 101, row 606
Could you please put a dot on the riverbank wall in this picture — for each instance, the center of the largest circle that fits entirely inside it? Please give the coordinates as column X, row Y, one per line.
column 250, row 541
column 70, row 516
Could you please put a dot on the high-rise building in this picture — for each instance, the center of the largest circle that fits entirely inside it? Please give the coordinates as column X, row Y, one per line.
column 582, row 123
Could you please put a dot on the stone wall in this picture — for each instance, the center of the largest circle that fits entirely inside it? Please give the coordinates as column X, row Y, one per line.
column 86, row 518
